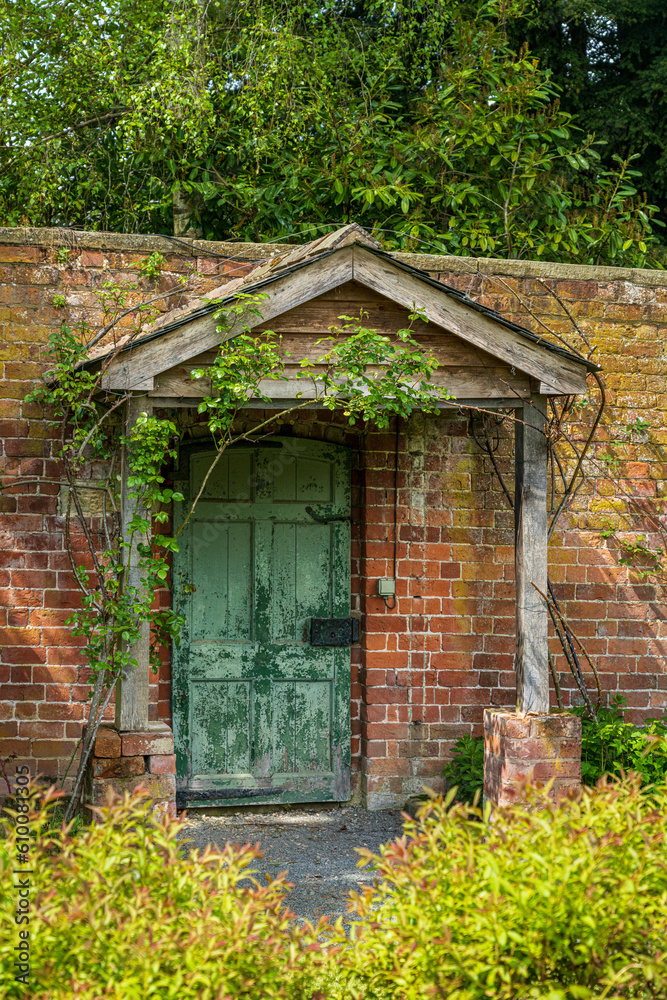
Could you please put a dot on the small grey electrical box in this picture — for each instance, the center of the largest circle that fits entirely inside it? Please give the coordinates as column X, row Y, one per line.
column 386, row 588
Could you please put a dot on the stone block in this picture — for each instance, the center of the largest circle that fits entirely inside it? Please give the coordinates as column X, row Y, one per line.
column 118, row 767
column 526, row 749
column 107, row 742
column 162, row 764
column 156, row 740
column 556, row 725
column 158, row 786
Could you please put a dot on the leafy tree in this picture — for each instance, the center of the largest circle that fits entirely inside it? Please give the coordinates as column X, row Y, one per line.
column 262, row 119
column 610, row 59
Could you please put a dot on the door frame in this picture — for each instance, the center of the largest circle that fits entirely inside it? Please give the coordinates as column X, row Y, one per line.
column 263, row 789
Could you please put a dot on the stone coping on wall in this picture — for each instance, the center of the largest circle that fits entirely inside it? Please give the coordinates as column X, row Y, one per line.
column 187, row 247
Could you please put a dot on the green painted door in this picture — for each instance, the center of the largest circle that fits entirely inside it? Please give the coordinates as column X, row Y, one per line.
column 260, row 714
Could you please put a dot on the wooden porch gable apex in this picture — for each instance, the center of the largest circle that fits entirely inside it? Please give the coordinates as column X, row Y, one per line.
column 295, row 277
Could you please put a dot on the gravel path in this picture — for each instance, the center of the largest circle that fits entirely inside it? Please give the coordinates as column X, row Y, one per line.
column 316, row 848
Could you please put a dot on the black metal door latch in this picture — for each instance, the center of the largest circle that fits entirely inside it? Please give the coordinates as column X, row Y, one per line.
column 334, row 631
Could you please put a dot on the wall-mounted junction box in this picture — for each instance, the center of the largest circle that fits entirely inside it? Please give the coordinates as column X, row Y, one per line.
column 386, row 587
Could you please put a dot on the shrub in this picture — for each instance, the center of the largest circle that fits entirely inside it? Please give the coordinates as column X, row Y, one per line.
column 466, row 768
column 609, row 745
column 548, row 902
column 557, row 902
column 119, row 912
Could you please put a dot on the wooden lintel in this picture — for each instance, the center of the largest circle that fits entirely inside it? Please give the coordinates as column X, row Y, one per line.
column 489, row 383
column 530, row 519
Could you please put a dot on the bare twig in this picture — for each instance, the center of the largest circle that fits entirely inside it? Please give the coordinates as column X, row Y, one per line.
column 550, row 601
column 554, row 677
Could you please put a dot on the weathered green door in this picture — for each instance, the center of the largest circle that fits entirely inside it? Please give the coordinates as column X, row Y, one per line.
column 260, row 714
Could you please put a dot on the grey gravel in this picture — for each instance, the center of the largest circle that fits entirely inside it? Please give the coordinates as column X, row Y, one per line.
column 316, row 848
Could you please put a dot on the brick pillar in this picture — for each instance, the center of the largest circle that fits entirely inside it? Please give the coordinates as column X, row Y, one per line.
column 535, row 748
column 121, row 761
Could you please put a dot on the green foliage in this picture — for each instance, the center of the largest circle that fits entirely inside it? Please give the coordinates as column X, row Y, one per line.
column 610, row 745
column 638, row 426
column 419, row 118
column 62, row 256
column 113, row 609
column 372, row 377
column 367, row 376
column 645, row 558
column 610, row 59
column 556, row 902
column 465, row 770
column 550, row 902
column 124, row 913
column 151, row 268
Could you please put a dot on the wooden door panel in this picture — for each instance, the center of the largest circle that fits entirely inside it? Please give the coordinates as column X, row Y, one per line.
column 231, row 478
column 301, row 572
column 222, row 573
column 301, row 726
column 216, row 661
column 220, row 726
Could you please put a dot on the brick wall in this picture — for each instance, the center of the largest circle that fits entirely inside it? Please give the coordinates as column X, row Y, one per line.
column 424, row 672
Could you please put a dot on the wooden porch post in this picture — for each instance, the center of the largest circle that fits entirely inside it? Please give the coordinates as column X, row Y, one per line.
column 530, row 526
column 132, row 686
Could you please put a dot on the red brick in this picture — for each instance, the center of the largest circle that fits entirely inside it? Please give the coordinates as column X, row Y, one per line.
column 55, row 674
column 107, row 742
column 19, row 637
column 91, row 258
column 53, row 748
column 51, row 730
column 118, row 767
column 157, row 741
column 24, row 709
column 23, row 254
column 23, row 654
column 64, row 712
column 21, row 692
column 162, row 764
